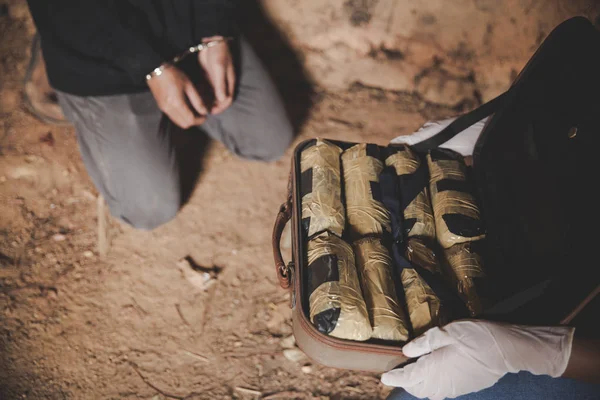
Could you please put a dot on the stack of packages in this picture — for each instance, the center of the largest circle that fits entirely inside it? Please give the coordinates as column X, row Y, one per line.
column 428, row 299
column 337, row 307
column 413, row 245
column 458, row 224
column 368, row 221
column 396, row 214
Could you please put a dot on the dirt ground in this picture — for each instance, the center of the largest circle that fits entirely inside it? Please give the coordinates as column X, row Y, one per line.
column 142, row 322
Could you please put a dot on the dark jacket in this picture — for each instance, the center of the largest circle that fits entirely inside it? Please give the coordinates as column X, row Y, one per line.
column 104, row 47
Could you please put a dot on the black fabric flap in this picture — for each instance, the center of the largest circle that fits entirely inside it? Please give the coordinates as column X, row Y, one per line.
column 535, row 168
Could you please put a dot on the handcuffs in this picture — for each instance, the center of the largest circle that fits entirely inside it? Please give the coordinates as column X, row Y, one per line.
column 194, row 49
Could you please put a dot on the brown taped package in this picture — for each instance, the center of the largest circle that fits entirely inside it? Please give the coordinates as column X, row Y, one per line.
column 406, row 162
column 419, row 253
column 336, row 303
column 366, row 214
column 424, row 307
column 322, row 207
column 375, row 269
column 465, row 268
column 452, row 203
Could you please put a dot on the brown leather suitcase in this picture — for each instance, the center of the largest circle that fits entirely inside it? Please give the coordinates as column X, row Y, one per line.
column 534, row 167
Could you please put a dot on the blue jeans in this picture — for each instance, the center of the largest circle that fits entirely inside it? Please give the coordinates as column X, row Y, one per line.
column 527, row 387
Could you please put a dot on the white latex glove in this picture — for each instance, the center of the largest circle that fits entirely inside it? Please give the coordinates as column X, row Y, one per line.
column 468, row 356
column 463, row 143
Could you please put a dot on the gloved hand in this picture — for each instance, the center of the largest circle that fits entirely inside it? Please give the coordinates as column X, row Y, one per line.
column 463, row 143
column 469, row 355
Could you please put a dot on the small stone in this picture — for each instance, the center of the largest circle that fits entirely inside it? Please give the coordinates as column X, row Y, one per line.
column 202, row 280
column 88, row 254
column 288, row 342
column 294, row 355
column 307, row 369
column 22, row 172
column 59, row 237
column 237, row 344
column 209, row 283
column 31, row 158
column 280, row 318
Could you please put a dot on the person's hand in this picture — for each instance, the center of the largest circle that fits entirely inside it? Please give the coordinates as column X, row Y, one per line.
column 177, row 97
column 462, row 143
column 468, row 356
column 218, row 65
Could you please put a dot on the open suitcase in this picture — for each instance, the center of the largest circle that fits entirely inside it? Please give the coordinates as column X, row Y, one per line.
column 534, row 169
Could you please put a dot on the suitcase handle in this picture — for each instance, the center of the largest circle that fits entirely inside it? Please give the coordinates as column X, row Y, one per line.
column 283, row 216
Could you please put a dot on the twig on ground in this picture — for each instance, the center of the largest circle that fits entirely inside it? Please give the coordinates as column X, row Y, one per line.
column 166, row 394
column 181, row 315
column 196, row 355
column 207, row 309
column 251, row 392
column 139, row 308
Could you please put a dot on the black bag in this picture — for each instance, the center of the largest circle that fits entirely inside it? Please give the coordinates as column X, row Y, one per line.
column 535, row 166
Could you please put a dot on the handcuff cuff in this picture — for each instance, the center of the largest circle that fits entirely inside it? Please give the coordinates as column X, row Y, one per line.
column 158, row 71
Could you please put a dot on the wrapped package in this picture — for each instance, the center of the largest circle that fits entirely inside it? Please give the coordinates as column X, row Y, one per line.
column 320, row 188
column 457, row 217
column 337, row 307
column 414, row 193
column 420, row 252
column 423, row 304
column 466, row 270
column 365, row 211
column 374, row 264
column 430, row 300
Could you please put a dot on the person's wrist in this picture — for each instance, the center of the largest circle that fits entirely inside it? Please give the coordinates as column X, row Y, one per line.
column 158, row 71
column 564, row 354
column 546, row 350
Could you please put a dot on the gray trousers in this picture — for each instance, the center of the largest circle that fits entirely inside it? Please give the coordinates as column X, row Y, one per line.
column 127, row 147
